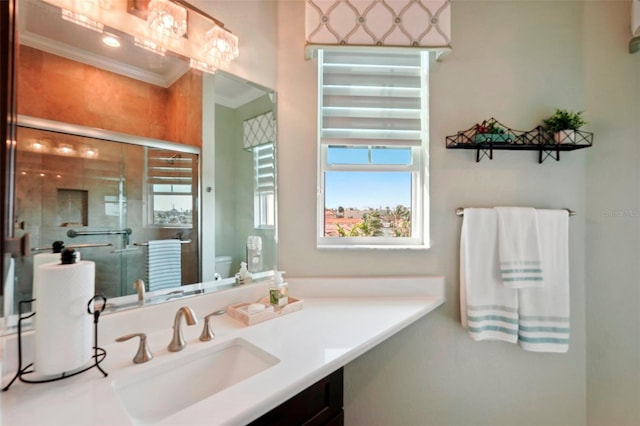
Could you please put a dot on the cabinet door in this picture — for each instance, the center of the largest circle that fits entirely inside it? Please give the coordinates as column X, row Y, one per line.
column 319, row 404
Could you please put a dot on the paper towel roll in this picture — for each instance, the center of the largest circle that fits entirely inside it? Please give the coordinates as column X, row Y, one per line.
column 64, row 332
column 41, row 259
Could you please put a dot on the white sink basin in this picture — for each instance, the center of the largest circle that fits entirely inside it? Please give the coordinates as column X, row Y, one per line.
column 160, row 391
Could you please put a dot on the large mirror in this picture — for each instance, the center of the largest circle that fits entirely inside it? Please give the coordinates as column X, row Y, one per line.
column 111, row 147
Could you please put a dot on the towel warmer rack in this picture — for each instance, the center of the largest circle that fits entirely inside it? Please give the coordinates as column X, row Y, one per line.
column 460, row 211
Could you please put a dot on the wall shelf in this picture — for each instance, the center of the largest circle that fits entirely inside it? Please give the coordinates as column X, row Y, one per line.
column 537, row 139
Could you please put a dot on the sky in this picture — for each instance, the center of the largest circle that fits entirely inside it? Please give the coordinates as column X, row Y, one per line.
column 367, row 189
column 363, row 190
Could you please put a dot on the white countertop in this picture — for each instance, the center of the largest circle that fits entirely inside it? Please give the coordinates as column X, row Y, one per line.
column 326, row 334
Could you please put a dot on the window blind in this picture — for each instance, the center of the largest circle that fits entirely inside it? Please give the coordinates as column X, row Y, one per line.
column 369, row 98
column 168, row 167
column 265, row 186
column 264, row 165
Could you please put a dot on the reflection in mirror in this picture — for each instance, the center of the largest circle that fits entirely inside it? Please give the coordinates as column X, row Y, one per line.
column 245, row 161
column 69, row 77
column 108, row 200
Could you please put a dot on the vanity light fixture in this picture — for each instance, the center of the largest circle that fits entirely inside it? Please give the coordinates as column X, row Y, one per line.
column 166, row 18
column 177, row 26
column 220, row 47
column 202, row 66
column 149, row 45
column 82, row 20
column 80, row 11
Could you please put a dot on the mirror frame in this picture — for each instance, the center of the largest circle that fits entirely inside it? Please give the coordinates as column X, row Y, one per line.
column 8, row 28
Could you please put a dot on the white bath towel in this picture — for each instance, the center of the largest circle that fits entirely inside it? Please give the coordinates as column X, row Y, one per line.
column 489, row 310
column 519, row 248
column 544, row 312
column 164, row 259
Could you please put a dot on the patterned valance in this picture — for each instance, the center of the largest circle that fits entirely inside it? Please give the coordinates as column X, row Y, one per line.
column 259, row 130
column 417, row 23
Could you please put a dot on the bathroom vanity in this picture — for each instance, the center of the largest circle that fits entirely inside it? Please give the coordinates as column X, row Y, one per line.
column 241, row 376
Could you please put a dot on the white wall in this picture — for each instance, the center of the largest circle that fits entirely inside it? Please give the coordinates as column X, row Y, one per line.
column 612, row 80
column 516, row 61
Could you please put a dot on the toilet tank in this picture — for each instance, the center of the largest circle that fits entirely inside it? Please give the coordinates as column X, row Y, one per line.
column 223, row 266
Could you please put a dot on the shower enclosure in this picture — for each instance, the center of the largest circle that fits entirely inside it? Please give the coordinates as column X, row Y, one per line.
column 105, row 198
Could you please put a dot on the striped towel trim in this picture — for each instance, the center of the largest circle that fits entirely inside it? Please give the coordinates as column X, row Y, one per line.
column 492, row 322
column 544, row 334
column 519, row 274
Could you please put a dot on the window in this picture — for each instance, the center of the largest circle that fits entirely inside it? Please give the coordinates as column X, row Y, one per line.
column 264, row 186
column 372, row 142
column 170, row 183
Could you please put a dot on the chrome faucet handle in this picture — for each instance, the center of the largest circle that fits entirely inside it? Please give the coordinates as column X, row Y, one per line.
column 207, row 333
column 177, row 342
column 144, row 353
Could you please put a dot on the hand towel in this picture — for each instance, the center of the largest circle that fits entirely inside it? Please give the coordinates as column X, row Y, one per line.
column 519, row 248
column 489, row 310
column 544, row 312
column 164, row 259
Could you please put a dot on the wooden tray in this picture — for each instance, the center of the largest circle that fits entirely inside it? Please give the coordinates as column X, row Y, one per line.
column 237, row 312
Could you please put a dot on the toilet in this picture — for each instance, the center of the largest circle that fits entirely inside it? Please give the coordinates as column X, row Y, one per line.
column 223, row 266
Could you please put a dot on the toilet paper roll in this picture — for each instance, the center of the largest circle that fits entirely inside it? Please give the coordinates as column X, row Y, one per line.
column 64, row 337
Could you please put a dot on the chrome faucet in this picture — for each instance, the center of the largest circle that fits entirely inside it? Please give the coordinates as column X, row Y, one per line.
column 177, row 342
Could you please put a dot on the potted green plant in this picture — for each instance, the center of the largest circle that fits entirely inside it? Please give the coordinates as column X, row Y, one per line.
column 563, row 124
column 490, row 131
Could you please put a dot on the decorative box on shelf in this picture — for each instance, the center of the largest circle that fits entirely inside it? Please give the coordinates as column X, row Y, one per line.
column 492, row 137
column 240, row 311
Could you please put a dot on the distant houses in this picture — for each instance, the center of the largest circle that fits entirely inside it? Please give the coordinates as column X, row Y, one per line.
column 332, row 219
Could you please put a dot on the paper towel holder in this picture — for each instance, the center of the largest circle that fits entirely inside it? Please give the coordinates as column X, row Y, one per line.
column 99, row 354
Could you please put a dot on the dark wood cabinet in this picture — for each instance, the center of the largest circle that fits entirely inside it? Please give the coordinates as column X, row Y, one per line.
column 319, row 404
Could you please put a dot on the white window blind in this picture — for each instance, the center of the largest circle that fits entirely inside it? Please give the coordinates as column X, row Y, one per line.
column 169, row 167
column 264, row 185
column 373, row 127
column 371, row 99
column 171, row 177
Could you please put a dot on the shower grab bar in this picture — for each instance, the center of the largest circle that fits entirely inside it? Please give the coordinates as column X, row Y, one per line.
column 460, row 211
column 76, row 246
column 71, row 233
column 146, row 244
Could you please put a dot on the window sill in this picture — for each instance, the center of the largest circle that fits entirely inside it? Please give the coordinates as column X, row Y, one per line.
column 365, row 247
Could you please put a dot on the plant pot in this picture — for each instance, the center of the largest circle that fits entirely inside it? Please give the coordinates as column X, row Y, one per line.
column 564, row 136
column 491, row 137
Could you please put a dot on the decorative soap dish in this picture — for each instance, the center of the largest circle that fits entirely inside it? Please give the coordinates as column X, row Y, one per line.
column 239, row 311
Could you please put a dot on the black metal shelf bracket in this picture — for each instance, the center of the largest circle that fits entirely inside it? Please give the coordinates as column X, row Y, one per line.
column 547, row 144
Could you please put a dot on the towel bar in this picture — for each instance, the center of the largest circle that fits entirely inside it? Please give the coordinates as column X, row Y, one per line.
column 74, row 246
column 146, row 244
column 460, row 211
